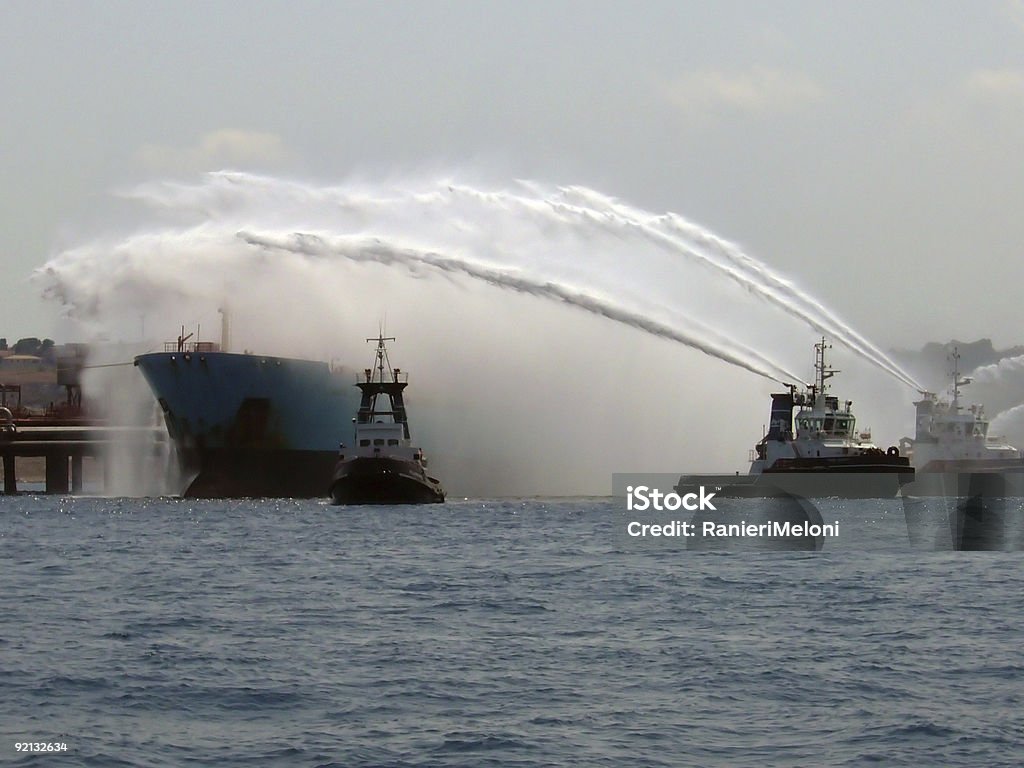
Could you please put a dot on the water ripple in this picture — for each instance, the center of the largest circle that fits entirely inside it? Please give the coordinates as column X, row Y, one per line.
column 230, row 633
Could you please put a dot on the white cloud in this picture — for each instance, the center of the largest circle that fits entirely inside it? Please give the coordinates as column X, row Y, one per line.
column 1015, row 12
column 996, row 83
column 758, row 90
column 216, row 150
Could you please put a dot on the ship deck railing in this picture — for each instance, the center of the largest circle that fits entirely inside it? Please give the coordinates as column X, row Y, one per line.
column 191, row 346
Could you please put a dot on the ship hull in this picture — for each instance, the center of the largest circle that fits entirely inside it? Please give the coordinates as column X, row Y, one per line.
column 849, row 481
column 259, row 473
column 384, row 480
column 957, row 478
column 965, row 510
column 248, row 425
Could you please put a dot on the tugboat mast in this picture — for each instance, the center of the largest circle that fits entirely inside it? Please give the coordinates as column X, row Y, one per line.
column 957, row 380
column 376, row 384
column 382, row 357
column 821, row 370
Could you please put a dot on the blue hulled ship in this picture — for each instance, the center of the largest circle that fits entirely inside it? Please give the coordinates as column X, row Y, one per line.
column 250, row 425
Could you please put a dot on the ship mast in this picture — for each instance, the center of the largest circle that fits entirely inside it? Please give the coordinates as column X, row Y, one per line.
column 958, row 381
column 225, row 329
column 382, row 358
column 821, row 370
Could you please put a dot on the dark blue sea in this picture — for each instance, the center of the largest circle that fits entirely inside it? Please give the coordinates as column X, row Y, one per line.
column 169, row 632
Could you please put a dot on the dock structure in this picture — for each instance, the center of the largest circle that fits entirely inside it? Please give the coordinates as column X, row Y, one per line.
column 63, row 444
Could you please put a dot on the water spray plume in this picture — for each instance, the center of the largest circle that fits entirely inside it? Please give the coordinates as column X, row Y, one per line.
column 690, row 241
column 306, row 268
column 1012, row 419
column 659, row 274
column 376, row 250
column 988, row 374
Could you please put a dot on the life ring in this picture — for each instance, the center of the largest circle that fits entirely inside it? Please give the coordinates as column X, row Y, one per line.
column 893, row 451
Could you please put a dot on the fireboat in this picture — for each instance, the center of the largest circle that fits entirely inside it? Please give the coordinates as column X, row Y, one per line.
column 819, row 453
column 952, row 438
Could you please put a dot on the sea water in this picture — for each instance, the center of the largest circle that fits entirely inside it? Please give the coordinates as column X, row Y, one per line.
column 516, row 632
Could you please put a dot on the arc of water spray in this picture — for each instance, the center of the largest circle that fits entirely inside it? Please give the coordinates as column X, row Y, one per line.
column 809, row 308
column 742, row 268
column 669, row 232
column 376, row 250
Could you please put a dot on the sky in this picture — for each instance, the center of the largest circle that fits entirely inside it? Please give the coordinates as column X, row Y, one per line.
column 867, row 151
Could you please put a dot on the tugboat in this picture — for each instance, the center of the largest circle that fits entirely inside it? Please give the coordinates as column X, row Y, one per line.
column 951, row 438
column 964, row 476
column 383, row 467
column 823, row 456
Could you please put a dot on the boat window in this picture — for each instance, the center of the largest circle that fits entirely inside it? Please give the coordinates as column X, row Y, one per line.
column 364, row 443
column 829, row 425
column 392, row 442
column 378, row 441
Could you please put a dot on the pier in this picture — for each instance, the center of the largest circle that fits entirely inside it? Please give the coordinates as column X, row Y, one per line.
column 63, row 444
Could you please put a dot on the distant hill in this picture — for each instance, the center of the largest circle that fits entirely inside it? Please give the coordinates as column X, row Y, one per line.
column 931, row 364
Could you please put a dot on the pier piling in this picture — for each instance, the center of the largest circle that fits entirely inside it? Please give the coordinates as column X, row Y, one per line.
column 10, row 479
column 56, row 472
column 76, row 474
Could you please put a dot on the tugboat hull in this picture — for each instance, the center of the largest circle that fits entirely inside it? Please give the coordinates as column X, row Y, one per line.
column 384, row 480
column 852, row 482
column 950, row 478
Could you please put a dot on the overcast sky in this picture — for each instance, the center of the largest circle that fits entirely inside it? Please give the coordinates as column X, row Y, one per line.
column 871, row 150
